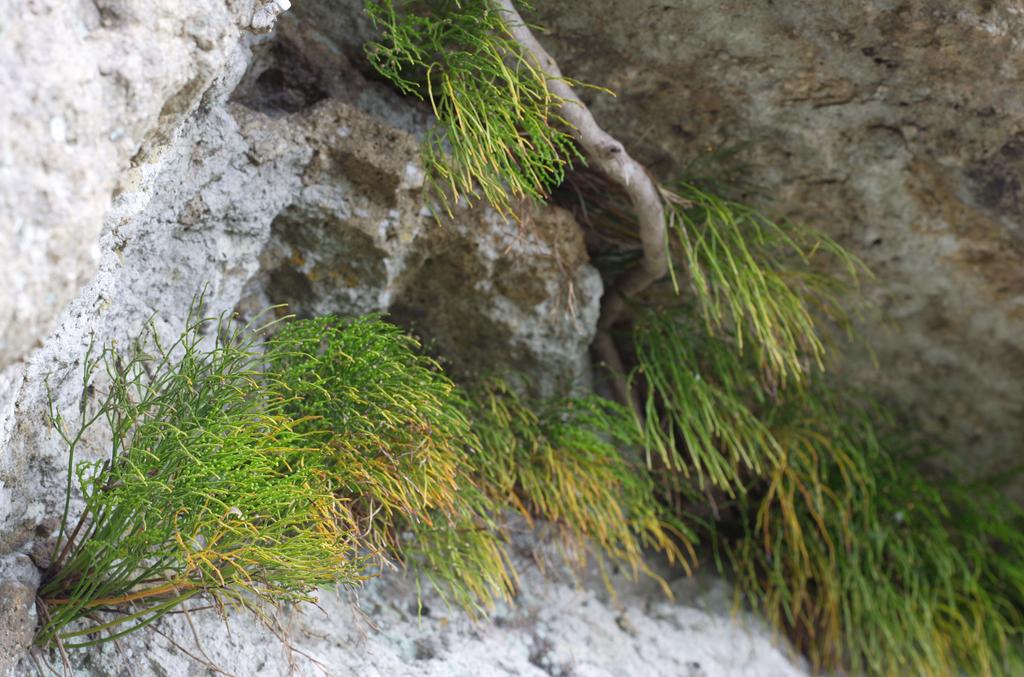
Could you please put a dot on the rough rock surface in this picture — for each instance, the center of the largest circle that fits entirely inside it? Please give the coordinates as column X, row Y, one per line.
column 358, row 237
column 90, row 88
column 897, row 126
column 19, row 579
column 135, row 168
column 556, row 627
column 298, row 185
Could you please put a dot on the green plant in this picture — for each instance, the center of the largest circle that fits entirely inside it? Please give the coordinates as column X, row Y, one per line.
column 754, row 279
column 428, row 472
column 209, row 488
column 698, row 402
column 400, row 449
column 342, row 445
column 741, row 326
column 838, row 540
column 868, row 565
column 390, row 422
column 800, row 489
column 500, row 134
column 562, row 461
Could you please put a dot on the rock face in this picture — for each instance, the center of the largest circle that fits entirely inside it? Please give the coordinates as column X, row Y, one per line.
column 267, row 170
column 896, row 126
column 150, row 150
column 90, row 89
column 555, row 628
column 358, row 236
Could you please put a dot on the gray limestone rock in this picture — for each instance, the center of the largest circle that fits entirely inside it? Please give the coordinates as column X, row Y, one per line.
column 150, row 150
column 263, row 170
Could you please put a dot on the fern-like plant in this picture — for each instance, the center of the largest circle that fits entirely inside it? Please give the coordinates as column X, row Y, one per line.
column 699, row 398
column 399, row 447
column 754, row 279
column 562, row 461
column 209, row 488
column 868, row 565
column 499, row 134
column 250, row 473
column 839, row 541
column 390, row 421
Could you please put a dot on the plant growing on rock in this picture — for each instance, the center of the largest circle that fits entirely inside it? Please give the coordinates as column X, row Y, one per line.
column 831, row 533
column 399, row 448
column 255, row 471
column 561, row 460
column 249, row 473
column 429, row 471
column 209, row 488
column 258, row 471
column 867, row 564
column 500, row 134
column 826, row 526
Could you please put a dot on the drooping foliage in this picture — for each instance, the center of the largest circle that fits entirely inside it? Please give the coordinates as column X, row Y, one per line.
column 870, row 566
column 254, row 471
column 699, row 396
column 827, row 527
column 401, row 451
column 562, row 461
column 754, row 279
column 249, row 472
column 499, row 135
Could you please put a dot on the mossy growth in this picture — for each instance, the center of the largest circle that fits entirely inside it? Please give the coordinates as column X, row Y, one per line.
column 499, row 134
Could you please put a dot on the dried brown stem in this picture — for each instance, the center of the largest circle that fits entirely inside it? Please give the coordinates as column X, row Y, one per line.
column 604, row 347
column 157, row 591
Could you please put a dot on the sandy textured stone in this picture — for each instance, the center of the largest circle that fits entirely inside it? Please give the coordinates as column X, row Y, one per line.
column 556, row 627
column 18, row 581
column 485, row 294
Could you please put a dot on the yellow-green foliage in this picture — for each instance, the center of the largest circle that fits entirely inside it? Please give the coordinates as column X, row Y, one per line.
column 390, row 422
column 253, row 471
column 427, row 473
column 562, row 461
column 838, row 540
column 463, row 555
column 866, row 564
column 247, row 472
column 399, row 448
column 500, row 135
column 698, row 398
column 210, row 488
column 871, row 567
column 754, row 279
